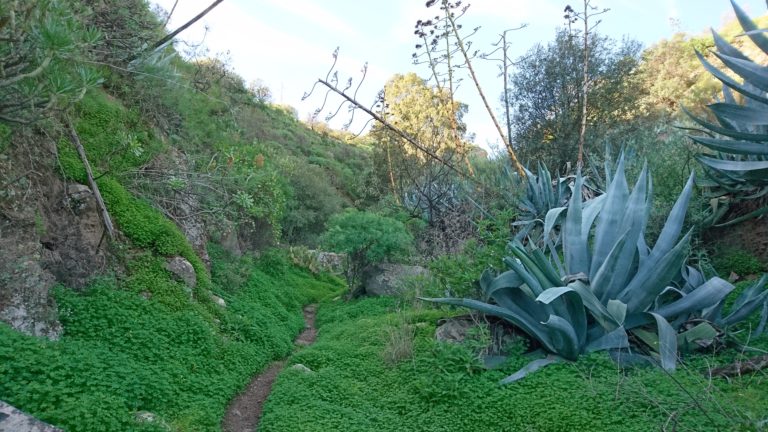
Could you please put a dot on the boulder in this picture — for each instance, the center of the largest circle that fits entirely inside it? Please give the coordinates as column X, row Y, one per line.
column 13, row 420
column 331, row 262
column 387, row 279
column 182, row 270
column 219, row 301
column 301, row 368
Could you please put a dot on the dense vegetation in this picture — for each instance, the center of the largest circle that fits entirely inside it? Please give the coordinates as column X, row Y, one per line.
column 444, row 386
column 194, row 162
column 140, row 344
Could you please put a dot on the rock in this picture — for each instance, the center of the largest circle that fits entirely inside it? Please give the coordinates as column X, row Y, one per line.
column 495, row 335
column 301, row 368
column 13, row 420
column 455, row 330
column 387, row 279
column 733, row 277
column 330, row 262
column 78, row 192
column 230, row 242
column 50, row 233
column 26, row 302
column 151, row 418
column 219, row 301
column 182, row 271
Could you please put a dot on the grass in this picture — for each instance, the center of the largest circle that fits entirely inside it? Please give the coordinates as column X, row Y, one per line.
column 180, row 359
column 442, row 387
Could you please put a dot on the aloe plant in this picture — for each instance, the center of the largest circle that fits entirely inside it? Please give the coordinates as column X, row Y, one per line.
column 737, row 161
column 610, row 282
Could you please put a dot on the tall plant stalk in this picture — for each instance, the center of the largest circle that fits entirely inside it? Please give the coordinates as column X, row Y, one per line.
column 468, row 61
column 572, row 17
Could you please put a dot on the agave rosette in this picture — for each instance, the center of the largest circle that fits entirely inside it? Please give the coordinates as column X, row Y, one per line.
column 610, row 282
column 737, row 163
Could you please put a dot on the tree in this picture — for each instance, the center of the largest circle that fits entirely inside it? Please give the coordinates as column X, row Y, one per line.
column 446, row 30
column 547, row 101
column 673, row 76
column 430, row 116
column 260, row 92
column 41, row 68
column 366, row 238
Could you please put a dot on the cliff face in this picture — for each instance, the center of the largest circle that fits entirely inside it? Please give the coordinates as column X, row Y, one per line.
column 50, row 232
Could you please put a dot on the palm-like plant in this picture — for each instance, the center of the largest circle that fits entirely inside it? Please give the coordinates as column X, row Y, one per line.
column 610, row 282
column 737, row 163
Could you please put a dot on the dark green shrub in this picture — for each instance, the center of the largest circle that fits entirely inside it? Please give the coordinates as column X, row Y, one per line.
column 366, row 238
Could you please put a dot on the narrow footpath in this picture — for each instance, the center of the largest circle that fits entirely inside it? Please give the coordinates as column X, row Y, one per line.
column 244, row 411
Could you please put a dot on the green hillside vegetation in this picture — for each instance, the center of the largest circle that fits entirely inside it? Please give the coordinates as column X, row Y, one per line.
column 194, row 162
column 139, row 343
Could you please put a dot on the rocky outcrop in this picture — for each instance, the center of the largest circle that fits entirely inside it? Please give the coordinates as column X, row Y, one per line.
column 182, row 270
column 180, row 201
column 13, row 420
column 331, row 262
column 388, row 279
column 50, row 231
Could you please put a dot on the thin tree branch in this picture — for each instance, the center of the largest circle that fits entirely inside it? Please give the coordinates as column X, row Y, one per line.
column 173, row 34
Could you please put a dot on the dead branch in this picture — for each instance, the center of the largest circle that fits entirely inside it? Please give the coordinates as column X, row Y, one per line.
column 741, row 367
column 106, row 219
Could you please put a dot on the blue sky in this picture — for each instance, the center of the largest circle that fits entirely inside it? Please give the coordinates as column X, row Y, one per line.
column 288, row 43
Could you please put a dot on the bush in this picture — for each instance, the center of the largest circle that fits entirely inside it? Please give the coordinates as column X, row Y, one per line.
column 458, row 274
column 366, row 238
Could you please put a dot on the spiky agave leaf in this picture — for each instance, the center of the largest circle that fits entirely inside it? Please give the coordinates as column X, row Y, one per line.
column 738, row 163
column 611, row 281
column 542, row 193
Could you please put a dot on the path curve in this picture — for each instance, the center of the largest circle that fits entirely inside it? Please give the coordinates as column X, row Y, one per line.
column 244, row 411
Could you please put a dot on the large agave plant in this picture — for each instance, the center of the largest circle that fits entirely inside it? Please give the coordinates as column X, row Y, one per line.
column 737, row 163
column 541, row 195
column 545, row 196
column 610, row 282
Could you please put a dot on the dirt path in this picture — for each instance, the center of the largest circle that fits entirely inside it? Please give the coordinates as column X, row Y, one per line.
column 244, row 411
